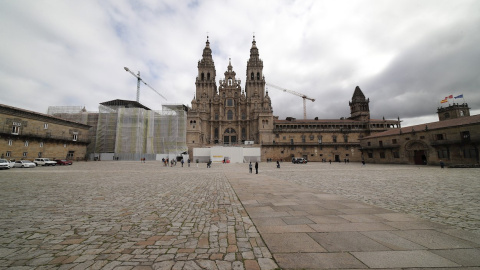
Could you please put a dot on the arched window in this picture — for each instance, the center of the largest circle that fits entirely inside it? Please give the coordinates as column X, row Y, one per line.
column 216, row 133
column 252, row 76
column 203, row 76
column 229, row 115
column 230, row 81
column 208, row 76
column 258, row 75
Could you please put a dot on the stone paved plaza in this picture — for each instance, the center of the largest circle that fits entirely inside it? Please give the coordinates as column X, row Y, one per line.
column 132, row 215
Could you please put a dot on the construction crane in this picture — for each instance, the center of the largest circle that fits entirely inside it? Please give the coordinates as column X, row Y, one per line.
column 297, row 94
column 138, row 84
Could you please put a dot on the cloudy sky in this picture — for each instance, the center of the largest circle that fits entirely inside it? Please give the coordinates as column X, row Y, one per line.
column 406, row 56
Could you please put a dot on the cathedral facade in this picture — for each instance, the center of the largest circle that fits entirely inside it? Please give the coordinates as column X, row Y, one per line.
column 228, row 115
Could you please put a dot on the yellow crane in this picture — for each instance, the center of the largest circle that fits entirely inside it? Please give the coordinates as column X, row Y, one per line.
column 297, row 94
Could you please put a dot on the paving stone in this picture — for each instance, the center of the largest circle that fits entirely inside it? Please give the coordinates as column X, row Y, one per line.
column 291, row 242
column 401, row 259
column 156, row 217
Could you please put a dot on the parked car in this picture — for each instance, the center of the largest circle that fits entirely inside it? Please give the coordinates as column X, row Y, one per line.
column 63, row 162
column 4, row 164
column 24, row 164
column 299, row 161
column 44, row 162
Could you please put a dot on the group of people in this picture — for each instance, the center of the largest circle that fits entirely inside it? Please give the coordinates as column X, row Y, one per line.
column 250, row 167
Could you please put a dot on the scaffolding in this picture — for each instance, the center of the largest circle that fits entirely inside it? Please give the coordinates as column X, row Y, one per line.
column 71, row 113
column 127, row 130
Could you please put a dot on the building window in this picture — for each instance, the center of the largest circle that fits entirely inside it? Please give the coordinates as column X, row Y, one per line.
column 291, row 141
column 319, row 139
column 70, row 154
column 75, row 137
column 15, row 130
column 26, row 143
column 369, row 143
column 312, row 137
column 370, row 155
column 394, row 141
column 45, row 126
column 382, row 154
column 41, row 144
column 229, row 102
column 284, row 137
column 380, row 143
column 216, row 133
column 10, row 142
column 345, row 137
column 304, row 148
column 292, row 148
column 443, row 153
column 216, row 116
column 422, row 137
column 470, row 153
column 229, row 115
column 447, row 115
column 8, row 154
column 25, row 154
column 334, row 138
column 39, row 154
column 303, row 138
column 439, row 137
column 396, row 154
column 465, row 136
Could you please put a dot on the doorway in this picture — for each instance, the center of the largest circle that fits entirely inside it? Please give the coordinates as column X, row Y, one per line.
column 419, row 157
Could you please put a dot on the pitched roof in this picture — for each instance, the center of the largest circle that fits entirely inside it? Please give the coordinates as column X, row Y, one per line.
column 124, row 103
column 461, row 121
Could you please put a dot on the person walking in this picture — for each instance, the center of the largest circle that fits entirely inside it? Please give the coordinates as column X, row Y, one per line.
column 256, row 167
column 442, row 164
column 188, row 162
column 278, row 164
column 182, row 162
column 250, row 167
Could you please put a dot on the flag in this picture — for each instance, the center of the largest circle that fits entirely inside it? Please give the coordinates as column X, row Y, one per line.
column 451, row 96
column 444, row 101
column 459, row 96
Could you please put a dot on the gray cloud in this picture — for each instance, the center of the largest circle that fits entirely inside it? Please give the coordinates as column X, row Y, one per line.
column 405, row 55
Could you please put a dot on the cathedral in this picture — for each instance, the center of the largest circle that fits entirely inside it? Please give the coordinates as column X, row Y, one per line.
column 229, row 115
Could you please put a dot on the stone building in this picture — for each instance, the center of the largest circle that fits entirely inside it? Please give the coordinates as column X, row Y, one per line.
column 28, row 135
column 229, row 115
column 455, row 139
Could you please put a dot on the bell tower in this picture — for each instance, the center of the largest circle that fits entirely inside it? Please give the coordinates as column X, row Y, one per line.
column 359, row 109
column 255, row 83
column 205, row 82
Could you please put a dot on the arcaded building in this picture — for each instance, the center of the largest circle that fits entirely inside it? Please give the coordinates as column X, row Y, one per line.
column 454, row 139
column 28, row 135
column 228, row 115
